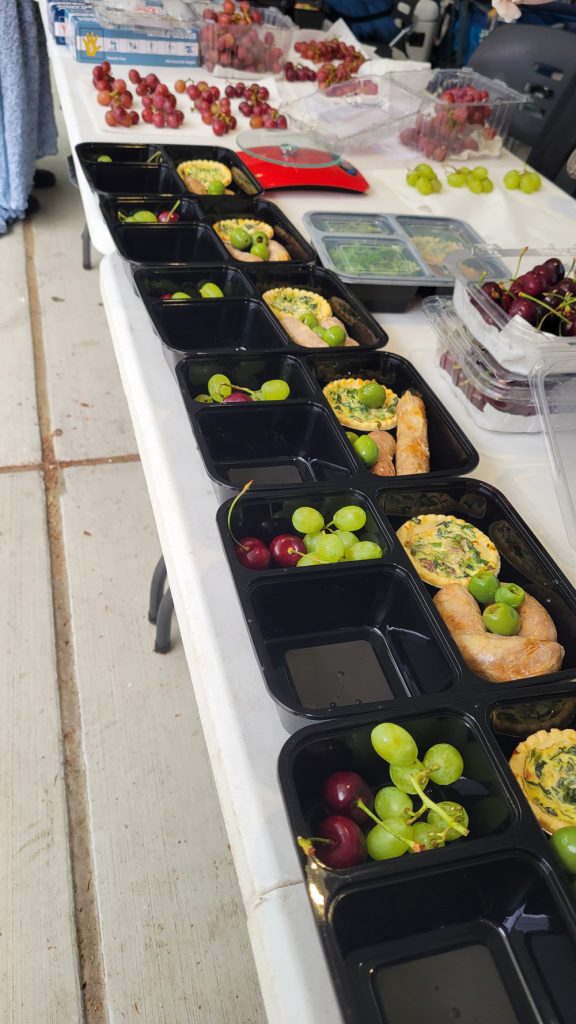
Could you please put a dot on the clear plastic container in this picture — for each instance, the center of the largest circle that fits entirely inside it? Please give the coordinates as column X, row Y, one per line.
column 351, row 224
column 373, row 258
column 457, row 126
column 495, row 399
column 243, row 49
column 366, row 112
column 553, row 383
column 513, row 342
column 158, row 16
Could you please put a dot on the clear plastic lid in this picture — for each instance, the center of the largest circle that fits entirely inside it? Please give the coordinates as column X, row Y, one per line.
column 159, row 16
column 286, row 148
column 437, row 239
column 553, row 383
column 350, row 223
column 372, row 259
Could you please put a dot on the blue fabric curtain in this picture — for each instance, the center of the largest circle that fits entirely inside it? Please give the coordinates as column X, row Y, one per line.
column 27, row 125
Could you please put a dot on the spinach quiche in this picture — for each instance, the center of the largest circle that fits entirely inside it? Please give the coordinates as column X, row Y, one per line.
column 520, row 719
column 544, row 766
column 445, row 550
column 343, row 396
column 197, row 175
column 296, row 302
column 224, row 228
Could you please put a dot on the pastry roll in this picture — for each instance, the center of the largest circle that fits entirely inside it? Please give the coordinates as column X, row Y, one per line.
column 384, row 466
column 412, row 452
column 535, row 621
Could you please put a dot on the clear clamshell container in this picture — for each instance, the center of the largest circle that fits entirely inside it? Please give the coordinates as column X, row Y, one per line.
column 553, row 383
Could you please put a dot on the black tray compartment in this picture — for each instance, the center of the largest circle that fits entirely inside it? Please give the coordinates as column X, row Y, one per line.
column 215, row 325
column 451, row 453
column 188, row 241
column 523, row 559
column 153, row 282
column 344, row 640
column 215, row 208
column 243, row 181
column 272, row 443
column 246, row 371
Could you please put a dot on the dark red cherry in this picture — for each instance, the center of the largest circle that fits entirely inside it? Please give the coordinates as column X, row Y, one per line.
column 524, row 308
column 287, row 549
column 568, row 330
column 554, row 267
column 168, row 217
column 252, row 553
column 567, row 286
column 493, row 291
column 348, row 845
column 507, row 300
column 533, row 284
column 236, row 396
column 341, row 792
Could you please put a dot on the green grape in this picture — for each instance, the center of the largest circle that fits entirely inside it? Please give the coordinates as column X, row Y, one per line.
column 274, row 390
column 480, row 173
column 362, row 550
column 512, row 179
column 260, row 250
column 307, row 560
column 103, row 159
column 535, row 179
column 487, row 185
column 142, row 217
column 349, row 517
column 330, row 548
column 424, row 186
column 394, row 744
column 206, row 399
column 383, row 844
column 474, row 185
column 436, row 186
column 372, row 395
column 347, row 538
column 180, row 295
column 412, row 178
column 455, row 811
column 427, row 836
column 447, row 763
column 240, row 239
column 351, row 436
column 526, row 185
column 401, row 774
column 456, row 180
column 311, row 540
column 390, row 802
column 367, row 449
column 334, row 336
column 425, row 171
column 307, row 520
column 219, row 387
column 209, row 290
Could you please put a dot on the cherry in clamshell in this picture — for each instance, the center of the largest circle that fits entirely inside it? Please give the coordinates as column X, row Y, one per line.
column 533, row 284
column 236, row 396
column 568, row 330
column 493, row 291
column 527, row 310
column 340, row 794
column 556, row 267
column 252, row 553
column 507, row 301
column 567, row 286
column 287, row 550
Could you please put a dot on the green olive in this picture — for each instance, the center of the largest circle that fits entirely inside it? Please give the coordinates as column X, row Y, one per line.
column 215, row 188
column 501, row 619
column 261, row 250
column 351, row 436
column 104, row 159
column 367, row 449
column 483, row 586
column 372, row 395
column 563, row 842
column 510, row 593
column 261, row 237
column 335, row 336
column 309, row 319
column 240, row 239
column 205, row 399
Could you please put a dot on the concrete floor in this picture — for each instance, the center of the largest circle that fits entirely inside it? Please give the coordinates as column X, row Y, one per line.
column 118, row 896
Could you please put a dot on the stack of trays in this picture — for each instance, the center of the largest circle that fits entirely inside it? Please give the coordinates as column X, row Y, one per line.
column 480, row 930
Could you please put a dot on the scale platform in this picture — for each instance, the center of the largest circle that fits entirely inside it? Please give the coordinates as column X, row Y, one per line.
column 290, row 160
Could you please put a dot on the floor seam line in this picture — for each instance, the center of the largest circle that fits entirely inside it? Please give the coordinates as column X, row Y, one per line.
column 86, row 918
column 96, row 460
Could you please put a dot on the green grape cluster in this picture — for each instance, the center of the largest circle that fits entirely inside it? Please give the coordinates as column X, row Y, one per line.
column 424, row 179
column 525, row 181
column 222, row 390
column 475, row 179
column 336, row 541
column 400, row 827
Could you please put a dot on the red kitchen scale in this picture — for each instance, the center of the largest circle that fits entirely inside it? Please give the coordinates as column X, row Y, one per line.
column 296, row 161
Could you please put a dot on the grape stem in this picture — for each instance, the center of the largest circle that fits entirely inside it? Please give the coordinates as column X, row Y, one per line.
column 155, row 156
column 450, row 822
column 415, row 847
column 230, row 511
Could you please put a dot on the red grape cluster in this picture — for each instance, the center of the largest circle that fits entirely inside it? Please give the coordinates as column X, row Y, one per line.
column 213, row 109
column 216, row 110
column 235, row 38
column 160, row 105
column 456, row 125
column 298, row 73
column 543, row 296
column 325, row 52
column 114, row 94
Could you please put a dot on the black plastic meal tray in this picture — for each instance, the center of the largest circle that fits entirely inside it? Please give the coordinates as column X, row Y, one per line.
column 481, row 931
column 338, row 640
column 244, row 448
column 130, row 174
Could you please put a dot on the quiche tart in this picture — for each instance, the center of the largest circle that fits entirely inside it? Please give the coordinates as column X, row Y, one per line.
column 197, row 175
column 520, row 719
column 446, row 550
column 224, row 228
column 343, row 396
column 544, row 766
column 296, row 302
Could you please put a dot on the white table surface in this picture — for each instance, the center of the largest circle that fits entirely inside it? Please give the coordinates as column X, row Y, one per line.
column 242, row 730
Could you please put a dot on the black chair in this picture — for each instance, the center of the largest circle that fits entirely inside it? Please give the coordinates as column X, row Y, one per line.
column 536, row 61
column 554, row 154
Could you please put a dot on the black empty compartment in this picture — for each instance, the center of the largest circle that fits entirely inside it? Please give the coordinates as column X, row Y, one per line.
column 153, row 282
column 523, row 559
column 133, row 179
column 361, row 326
column 451, row 453
column 216, row 208
column 236, row 325
column 272, row 444
column 246, row 371
column 243, row 181
column 120, row 153
column 351, row 639
column 485, row 941
column 185, row 242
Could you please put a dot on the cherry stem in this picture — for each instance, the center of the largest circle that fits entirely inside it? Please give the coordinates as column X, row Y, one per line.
column 451, row 822
column 230, row 511
column 155, row 156
column 175, row 207
column 521, row 256
column 307, row 845
column 415, row 847
column 532, row 298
